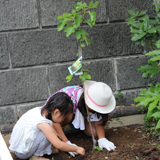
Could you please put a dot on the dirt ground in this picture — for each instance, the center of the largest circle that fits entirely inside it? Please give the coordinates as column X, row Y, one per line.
column 131, row 141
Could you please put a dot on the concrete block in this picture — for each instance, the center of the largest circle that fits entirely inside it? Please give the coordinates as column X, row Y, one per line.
column 118, row 9
column 41, row 47
column 100, row 70
column 57, row 77
column 51, row 9
column 18, row 14
column 23, row 85
column 23, row 108
column 128, row 76
column 6, row 128
column 110, row 40
column 4, row 55
column 127, row 97
column 8, row 114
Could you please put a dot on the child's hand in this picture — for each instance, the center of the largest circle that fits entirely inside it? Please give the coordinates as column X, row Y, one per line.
column 80, row 151
column 104, row 143
column 73, row 154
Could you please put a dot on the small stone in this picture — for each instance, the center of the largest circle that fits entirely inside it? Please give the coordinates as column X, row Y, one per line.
column 106, row 157
column 135, row 130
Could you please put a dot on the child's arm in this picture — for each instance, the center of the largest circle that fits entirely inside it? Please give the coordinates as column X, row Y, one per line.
column 99, row 129
column 102, row 141
column 60, row 132
column 51, row 136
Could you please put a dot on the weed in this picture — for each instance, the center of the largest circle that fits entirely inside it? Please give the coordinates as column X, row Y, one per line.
column 98, row 148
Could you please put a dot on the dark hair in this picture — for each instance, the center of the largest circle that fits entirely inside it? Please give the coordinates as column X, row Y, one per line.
column 59, row 101
column 82, row 108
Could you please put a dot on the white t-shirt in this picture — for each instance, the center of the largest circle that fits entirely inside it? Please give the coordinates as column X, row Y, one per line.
column 78, row 121
column 25, row 130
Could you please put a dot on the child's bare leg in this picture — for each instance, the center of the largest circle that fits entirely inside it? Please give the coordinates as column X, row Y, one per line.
column 87, row 130
column 98, row 130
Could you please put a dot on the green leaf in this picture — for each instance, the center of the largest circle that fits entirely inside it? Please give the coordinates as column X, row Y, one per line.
column 86, row 75
column 98, row 148
column 145, row 25
column 132, row 12
column 156, row 4
column 69, row 30
column 82, row 45
column 88, row 21
column 136, row 37
column 154, row 52
column 152, row 69
column 119, row 94
column 65, row 15
column 95, row 4
column 153, row 22
column 153, row 104
column 149, row 97
column 82, row 77
column 87, row 41
column 133, row 30
column 69, row 78
column 152, row 30
column 83, row 32
column 77, row 54
column 62, row 24
column 157, row 58
column 158, row 44
column 149, row 113
column 93, row 17
column 142, row 12
column 131, row 19
column 78, row 20
column 77, row 34
column 138, row 25
column 158, row 125
column 156, row 115
column 142, row 42
column 141, row 18
column 70, row 24
column 157, row 8
column 79, row 3
column 73, row 10
column 90, row 4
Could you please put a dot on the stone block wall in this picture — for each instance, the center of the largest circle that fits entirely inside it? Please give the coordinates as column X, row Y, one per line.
column 34, row 56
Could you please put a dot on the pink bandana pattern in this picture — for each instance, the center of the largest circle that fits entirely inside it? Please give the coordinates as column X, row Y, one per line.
column 72, row 92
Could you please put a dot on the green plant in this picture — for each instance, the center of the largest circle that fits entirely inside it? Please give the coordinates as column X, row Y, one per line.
column 73, row 23
column 98, row 148
column 146, row 31
column 137, row 158
column 118, row 94
column 117, row 119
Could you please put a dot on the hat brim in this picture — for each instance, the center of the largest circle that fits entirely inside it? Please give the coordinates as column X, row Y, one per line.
column 104, row 110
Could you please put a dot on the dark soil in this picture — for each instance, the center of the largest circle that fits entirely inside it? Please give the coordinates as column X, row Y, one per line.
column 132, row 144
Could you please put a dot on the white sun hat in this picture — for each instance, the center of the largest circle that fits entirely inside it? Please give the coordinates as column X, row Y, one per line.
column 99, row 97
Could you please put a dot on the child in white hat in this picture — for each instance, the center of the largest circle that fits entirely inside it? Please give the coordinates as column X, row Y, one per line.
column 100, row 101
